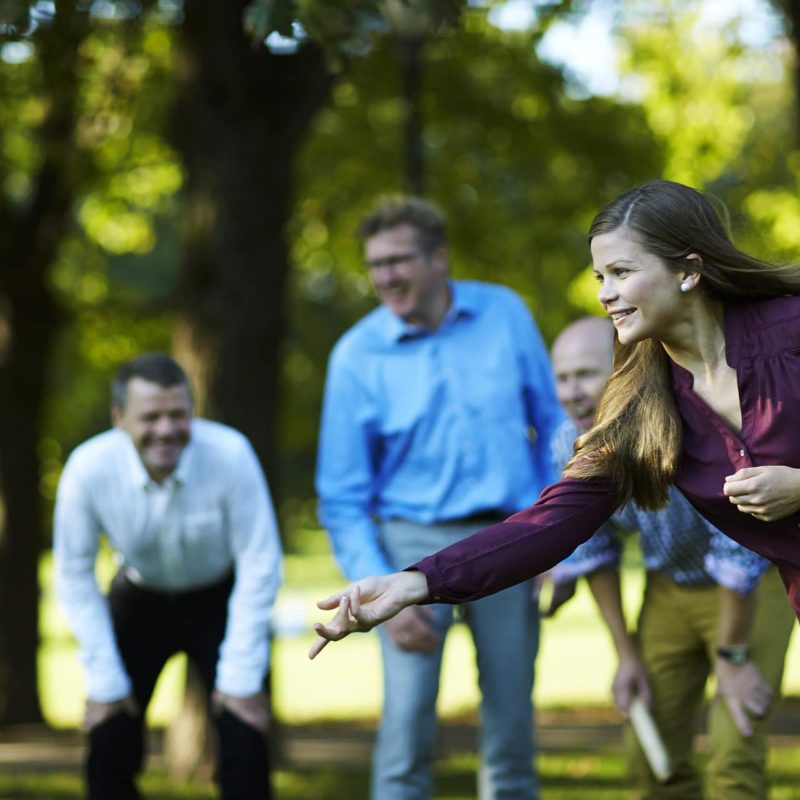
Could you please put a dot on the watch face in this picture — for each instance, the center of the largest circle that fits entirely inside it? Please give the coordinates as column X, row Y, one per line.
column 733, row 655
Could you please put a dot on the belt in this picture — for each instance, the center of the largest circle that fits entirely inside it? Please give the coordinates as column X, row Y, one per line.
column 133, row 577
column 483, row 517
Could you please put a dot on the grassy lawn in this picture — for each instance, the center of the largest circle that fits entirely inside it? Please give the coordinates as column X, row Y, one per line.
column 576, row 776
column 566, row 776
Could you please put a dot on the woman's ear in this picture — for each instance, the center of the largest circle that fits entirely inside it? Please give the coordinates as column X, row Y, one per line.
column 693, row 270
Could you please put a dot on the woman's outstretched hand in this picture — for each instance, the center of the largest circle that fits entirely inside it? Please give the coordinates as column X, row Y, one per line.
column 366, row 603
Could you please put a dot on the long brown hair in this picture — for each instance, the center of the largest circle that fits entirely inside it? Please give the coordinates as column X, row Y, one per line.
column 636, row 438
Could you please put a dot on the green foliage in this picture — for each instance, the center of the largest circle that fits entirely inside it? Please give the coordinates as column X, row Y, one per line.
column 262, row 17
column 700, row 88
column 776, row 211
column 13, row 15
column 116, row 268
column 350, row 28
column 21, row 112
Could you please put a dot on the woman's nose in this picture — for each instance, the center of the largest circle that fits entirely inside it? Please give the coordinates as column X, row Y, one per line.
column 607, row 292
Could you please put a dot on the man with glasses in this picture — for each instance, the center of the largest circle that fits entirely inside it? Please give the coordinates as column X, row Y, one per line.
column 438, row 411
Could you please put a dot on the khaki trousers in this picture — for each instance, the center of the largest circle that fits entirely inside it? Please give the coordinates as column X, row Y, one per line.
column 678, row 635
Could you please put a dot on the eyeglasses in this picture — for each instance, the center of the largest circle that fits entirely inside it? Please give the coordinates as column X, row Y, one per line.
column 394, row 261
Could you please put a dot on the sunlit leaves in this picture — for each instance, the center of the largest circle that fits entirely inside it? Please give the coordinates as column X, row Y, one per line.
column 697, row 85
column 21, row 112
column 778, row 211
column 123, row 102
column 582, row 292
column 115, row 227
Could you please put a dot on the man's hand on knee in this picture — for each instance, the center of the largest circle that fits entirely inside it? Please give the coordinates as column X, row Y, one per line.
column 253, row 709
column 98, row 711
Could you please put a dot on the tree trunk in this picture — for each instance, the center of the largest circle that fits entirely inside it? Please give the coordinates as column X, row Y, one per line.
column 21, row 393
column 29, row 242
column 242, row 115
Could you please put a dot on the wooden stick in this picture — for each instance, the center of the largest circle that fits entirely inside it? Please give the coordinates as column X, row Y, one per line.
column 650, row 739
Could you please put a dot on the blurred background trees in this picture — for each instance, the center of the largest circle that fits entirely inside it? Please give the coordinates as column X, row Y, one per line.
column 183, row 178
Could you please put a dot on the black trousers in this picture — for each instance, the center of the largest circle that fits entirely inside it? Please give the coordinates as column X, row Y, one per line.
column 150, row 627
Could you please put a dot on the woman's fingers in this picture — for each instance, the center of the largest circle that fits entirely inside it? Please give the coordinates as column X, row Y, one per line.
column 355, row 603
column 329, row 603
column 343, row 624
column 317, row 647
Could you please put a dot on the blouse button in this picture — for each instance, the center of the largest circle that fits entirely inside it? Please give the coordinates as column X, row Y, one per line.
column 741, row 453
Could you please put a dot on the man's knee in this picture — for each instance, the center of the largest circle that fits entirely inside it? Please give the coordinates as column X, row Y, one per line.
column 737, row 768
column 116, row 750
column 243, row 771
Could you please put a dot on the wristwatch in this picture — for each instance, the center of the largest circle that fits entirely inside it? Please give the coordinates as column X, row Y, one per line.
column 736, row 654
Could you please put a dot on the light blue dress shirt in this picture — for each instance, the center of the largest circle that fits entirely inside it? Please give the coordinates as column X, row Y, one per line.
column 212, row 514
column 675, row 541
column 430, row 426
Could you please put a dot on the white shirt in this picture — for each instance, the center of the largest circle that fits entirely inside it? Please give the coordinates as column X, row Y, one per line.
column 212, row 514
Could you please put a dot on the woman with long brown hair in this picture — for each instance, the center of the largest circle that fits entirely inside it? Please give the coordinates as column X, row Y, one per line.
column 705, row 394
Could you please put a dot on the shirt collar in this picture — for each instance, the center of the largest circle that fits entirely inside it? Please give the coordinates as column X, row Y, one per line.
column 462, row 304
column 140, row 476
column 733, row 328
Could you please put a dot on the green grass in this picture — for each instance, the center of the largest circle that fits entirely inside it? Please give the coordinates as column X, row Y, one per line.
column 574, row 775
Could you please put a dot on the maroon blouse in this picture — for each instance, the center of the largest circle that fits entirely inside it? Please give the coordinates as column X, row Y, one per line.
column 763, row 345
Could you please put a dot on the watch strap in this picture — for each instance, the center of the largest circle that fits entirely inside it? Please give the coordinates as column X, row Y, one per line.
column 736, row 654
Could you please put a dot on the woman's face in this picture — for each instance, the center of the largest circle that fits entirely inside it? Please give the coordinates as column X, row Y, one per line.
column 638, row 290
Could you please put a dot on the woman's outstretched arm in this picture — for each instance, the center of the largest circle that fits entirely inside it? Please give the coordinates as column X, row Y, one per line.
column 528, row 543
column 366, row 603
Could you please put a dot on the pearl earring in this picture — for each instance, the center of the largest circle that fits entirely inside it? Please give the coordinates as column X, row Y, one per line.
column 686, row 286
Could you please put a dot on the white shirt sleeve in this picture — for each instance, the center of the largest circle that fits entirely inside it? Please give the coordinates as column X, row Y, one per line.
column 76, row 541
column 244, row 653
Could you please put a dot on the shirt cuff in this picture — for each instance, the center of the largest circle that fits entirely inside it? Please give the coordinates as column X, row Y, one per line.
column 240, row 680
column 108, row 688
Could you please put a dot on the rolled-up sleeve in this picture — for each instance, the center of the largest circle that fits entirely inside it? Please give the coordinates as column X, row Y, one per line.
column 731, row 565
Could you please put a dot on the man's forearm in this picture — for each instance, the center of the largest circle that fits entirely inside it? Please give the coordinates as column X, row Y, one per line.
column 605, row 587
column 735, row 617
